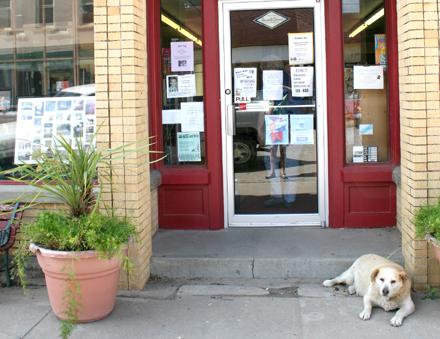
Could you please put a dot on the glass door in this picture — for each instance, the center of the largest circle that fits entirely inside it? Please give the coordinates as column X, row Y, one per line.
column 272, row 107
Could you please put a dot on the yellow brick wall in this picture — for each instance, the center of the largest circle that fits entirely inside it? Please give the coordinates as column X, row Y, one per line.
column 122, row 117
column 418, row 33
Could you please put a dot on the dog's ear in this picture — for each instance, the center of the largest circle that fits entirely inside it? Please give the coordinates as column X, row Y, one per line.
column 403, row 276
column 374, row 274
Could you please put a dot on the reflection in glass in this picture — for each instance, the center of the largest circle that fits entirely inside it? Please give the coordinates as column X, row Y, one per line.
column 181, row 21
column 45, row 46
column 275, row 168
column 366, row 102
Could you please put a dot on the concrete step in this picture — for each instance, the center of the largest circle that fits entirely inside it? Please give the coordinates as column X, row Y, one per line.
column 305, row 254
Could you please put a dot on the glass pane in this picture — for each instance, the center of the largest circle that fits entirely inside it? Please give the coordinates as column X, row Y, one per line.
column 275, row 168
column 60, row 34
column 86, row 72
column 366, row 85
column 182, row 79
column 39, row 31
column 60, row 75
column 5, row 13
column 29, row 77
column 7, row 118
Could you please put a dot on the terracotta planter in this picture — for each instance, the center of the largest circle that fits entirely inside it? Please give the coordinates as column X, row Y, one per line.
column 435, row 246
column 97, row 279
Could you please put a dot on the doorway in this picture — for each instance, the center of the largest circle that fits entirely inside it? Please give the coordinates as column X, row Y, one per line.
column 272, row 66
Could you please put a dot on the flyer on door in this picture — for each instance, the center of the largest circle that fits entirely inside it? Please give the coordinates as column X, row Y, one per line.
column 182, row 56
column 245, row 84
column 301, row 51
column 302, row 81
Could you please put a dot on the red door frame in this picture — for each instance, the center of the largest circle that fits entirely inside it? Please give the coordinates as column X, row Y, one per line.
column 205, row 183
column 346, row 181
column 185, row 187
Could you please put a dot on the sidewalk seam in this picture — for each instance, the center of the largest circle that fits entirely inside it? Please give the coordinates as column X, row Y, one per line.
column 36, row 324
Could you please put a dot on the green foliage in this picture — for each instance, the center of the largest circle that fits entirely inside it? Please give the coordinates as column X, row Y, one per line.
column 94, row 231
column 432, row 293
column 427, row 221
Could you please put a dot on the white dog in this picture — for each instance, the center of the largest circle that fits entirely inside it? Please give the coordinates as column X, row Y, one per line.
column 382, row 283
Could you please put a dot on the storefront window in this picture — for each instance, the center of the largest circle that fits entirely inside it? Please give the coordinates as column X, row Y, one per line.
column 46, row 46
column 366, row 81
column 182, row 82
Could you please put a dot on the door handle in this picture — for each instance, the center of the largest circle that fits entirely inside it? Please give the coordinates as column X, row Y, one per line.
column 230, row 120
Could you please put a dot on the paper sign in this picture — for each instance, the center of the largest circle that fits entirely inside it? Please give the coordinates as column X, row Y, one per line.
column 368, row 77
column 301, row 48
column 301, row 129
column 358, row 154
column 272, row 85
column 302, row 81
column 192, row 117
column 182, row 56
column 366, row 129
column 181, row 86
column 171, row 116
column 245, row 84
column 277, row 129
column 188, row 146
column 41, row 120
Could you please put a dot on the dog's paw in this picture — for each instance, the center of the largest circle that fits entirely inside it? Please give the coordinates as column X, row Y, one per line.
column 327, row 283
column 351, row 290
column 396, row 321
column 364, row 315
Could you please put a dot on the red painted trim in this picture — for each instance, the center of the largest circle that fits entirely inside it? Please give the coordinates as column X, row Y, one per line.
column 335, row 109
column 211, row 67
column 393, row 82
column 189, row 181
column 368, row 173
column 154, row 68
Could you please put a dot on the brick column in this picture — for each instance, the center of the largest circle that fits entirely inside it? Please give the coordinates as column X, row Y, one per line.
column 420, row 128
column 122, row 117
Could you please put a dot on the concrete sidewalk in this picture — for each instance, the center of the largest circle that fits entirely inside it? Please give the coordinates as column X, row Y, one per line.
column 236, row 309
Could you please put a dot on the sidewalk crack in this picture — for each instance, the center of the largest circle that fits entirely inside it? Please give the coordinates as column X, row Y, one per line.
column 36, row 324
column 253, row 266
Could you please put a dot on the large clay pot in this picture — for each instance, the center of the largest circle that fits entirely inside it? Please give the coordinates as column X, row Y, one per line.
column 435, row 246
column 97, row 280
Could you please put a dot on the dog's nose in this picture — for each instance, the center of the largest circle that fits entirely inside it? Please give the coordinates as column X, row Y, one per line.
column 385, row 291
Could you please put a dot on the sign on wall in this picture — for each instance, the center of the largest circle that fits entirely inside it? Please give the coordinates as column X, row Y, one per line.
column 41, row 120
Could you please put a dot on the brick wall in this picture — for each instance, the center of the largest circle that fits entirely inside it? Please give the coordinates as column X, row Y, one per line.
column 418, row 31
column 121, row 109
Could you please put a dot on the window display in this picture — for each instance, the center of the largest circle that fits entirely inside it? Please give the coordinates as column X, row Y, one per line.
column 46, row 47
column 183, row 116
column 365, row 80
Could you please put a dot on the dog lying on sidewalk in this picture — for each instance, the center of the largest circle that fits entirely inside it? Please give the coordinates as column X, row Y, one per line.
column 382, row 283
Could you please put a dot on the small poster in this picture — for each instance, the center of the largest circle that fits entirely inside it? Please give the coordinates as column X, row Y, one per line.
column 5, row 100
column 41, row 120
column 192, row 117
column 171, row 116
column 272, row 85
column 188, row 146
column 366, row 129
column 368, row 77
column 182, row 56
column 181, row 86
column 277, row 129
column 301, row 50
column 363, row 154
column 301, row 129
column 302, row 81
column 380, row 49
column 245, row 84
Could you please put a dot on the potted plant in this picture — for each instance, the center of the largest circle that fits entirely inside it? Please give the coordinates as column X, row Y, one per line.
column 80, row 249
column 427, row 222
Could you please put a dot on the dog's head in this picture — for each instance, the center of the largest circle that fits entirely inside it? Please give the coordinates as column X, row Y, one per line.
column 388, row 280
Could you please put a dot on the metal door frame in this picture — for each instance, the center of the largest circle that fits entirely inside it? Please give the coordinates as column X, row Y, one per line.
column 231, row 219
